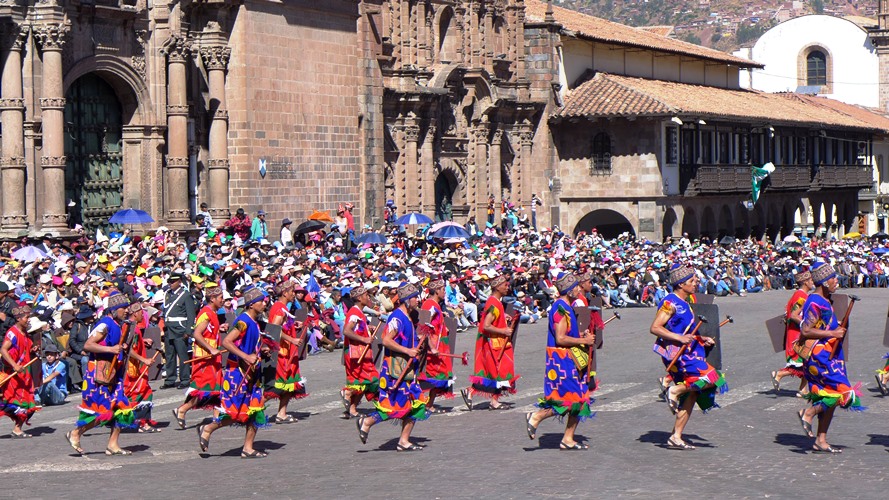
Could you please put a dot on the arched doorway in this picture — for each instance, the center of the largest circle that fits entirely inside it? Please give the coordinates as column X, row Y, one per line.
column 726, row 222
column 608, row 223
column 690, row 223
column 708, row 224
column 669, row 221
column 94, row 150
column 445, row 188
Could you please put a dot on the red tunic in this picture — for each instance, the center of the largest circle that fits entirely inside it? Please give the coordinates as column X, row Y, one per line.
column 18, row 394
column 287, row 377
column 791, row 334
column 361, row 373
column 494, row 369
column 439, row 375
column 140, row 391
column 206, row 375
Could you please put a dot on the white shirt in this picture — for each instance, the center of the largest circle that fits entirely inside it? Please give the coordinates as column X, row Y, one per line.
column 286, row 235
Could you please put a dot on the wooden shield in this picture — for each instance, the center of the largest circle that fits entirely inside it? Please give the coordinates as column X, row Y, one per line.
column 840, row 303
column 376, row 346
column 230, row 317
column 451, row 324
column 776, row 328
column 154, row 333
column 711, row 329
column 596, row 302
column 510, row 310
column 584, row 319
column 301, row 315
column 270, row 366
column 886, row 331
column 705, row 299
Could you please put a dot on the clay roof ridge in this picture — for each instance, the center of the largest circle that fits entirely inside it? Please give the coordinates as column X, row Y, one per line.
column 607, row 76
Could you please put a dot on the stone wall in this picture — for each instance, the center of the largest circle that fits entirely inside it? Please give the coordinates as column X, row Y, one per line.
column 292, row 88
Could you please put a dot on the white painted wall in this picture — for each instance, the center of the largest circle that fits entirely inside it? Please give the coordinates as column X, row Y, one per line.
column 854, row 59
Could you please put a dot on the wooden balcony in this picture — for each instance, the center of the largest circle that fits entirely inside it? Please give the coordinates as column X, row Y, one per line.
column 721, row 179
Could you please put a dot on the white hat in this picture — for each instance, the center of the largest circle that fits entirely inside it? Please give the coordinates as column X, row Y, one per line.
column 35, row 324
column 45, row 278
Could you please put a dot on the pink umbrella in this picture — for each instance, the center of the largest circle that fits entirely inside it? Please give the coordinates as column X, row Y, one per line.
column 435, row 227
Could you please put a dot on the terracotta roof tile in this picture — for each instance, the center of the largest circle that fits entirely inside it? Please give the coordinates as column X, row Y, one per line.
column 602, row 30
column 607, row 95
column 658, row 30
column 861, row 113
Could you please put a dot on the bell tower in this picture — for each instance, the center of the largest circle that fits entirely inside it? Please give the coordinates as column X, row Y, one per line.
column 879, row 35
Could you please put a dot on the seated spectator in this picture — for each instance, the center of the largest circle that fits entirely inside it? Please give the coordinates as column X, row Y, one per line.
column 55, row 374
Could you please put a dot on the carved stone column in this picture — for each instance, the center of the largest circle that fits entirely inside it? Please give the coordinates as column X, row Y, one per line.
column 478, row 197
column 216, row 61
column 426, row 180
column 411, row 137
column 12, row 117
column 177, row 49
column 51, row 38
column 495, row 164
column 522, row 177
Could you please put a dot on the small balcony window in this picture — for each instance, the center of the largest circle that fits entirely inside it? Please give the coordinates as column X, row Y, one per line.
column 600, row 160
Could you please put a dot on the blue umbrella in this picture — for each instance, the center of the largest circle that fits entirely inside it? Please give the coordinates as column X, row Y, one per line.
column 880, row 250
column 28, row 254
column 131, row 216
column 413, row 218
column 371, row 239
column 451, row 232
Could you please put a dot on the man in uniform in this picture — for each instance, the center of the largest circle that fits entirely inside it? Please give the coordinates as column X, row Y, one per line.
column 178, row 321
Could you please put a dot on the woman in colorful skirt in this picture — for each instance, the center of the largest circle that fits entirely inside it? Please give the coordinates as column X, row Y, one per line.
column 104, row 400
column 438, row 378
column 242, row 402
column 17, row 351
column 289, row 383
column 696, row 381
column 565, row 387
column 206, row 372
column 494, row 371
column 825, row 369
column 793, row 315
column 362, row 377
column 136, row 388
column 396, row 401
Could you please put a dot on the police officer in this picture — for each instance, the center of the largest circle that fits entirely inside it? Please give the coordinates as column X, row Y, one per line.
column 179, row 312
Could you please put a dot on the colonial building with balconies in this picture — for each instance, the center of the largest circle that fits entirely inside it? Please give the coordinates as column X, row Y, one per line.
column 656, row 137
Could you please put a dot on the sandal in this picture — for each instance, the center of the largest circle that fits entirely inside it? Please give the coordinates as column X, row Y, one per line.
column 21, row 435
column 532, row 430
column 410, row 447
column 204, row 443
column 807, row 426
column 179, row 420
column 467, row 398
column 573, row 447
column 829, row 449
column 672, row 402
column 776, row 384
column 286, row 420
column 349, row 416
column 664, row 387
column 673, row 444
column 436, row 411
column 362, row 435
column 254, row 454
column 881, row 385
column 148, row 430
column 72, row 444
column 119, row 451
column 346, row 402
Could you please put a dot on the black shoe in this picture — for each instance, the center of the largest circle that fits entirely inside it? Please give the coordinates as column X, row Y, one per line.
column 168, row 386
column 182, row 385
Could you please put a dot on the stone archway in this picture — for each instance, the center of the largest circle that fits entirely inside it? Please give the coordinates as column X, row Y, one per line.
column 669, row 223
column 726, row 222
column 607, row 223
column 445, row 189
column 708, row 223
column 690, row 223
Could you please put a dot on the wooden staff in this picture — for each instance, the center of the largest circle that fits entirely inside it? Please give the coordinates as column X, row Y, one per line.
column 701, row 320
column 410, row 362
column 464, row 358
column 145, row 370
column 852, row 300
column 190, row 361
column 515, row 328
column 21, row 369
column 372, row 337
column 121, row 356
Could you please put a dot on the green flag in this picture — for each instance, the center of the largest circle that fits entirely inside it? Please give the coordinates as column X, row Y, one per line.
column 759, row 175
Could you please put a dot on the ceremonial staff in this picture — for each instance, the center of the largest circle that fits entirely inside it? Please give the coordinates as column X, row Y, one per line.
column 845, row 323
column 21, row 369
column 701, row 320
column 592, row 350
column 421, row 353
column 204, row 357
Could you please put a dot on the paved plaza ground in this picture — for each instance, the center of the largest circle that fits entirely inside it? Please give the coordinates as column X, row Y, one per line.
column 752, row 447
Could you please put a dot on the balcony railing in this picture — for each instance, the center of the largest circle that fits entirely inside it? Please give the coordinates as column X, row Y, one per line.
column 719, row 179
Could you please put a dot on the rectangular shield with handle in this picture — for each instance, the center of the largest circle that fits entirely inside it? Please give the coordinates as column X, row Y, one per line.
column 584, row 319
column 154, row 333
column 704, row 298
column 300, row 316
column 451, row 323
column 711, row 329
column 840, row 302
column 886, row 331
column 777, row 330
column 510, row 313
column 270, row 366
column 597, row 302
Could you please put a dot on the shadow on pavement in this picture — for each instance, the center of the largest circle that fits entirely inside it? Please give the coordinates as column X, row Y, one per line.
column 797, row 442
column 659, row 439
column 391, row 444
column 878, row 440
column 257, row 445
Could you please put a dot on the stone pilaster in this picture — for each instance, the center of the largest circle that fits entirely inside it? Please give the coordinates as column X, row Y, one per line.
column 411, row 137
column 51, row 38
column 177, row 49
column 12, row 116
column 495, row 183
column 215, row 59
column 522, row 177
column 477, row 196
column 426, row 173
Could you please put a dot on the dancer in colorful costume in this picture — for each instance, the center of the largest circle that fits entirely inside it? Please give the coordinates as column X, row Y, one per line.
column 242, row 402
column 17, row 351
column 597, row 326
column 438, row 378
column 565, row 389
column 136, row 388
column 696, row 381
column 289, row 383
column 825, row 370
column 401, row 361
column 362, row 377
column 206, row 372
column 104, row 399
column 793, row 315
column 494, row 371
